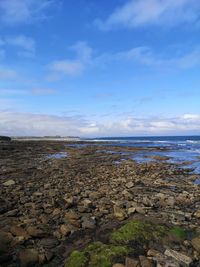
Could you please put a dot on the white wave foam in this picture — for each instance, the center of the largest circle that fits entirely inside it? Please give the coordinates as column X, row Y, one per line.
column 193, row 141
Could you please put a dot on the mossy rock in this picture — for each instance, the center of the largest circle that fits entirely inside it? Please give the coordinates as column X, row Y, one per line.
column 178, row 232
column 77, row 258
column 138, row 230
column 96, row 254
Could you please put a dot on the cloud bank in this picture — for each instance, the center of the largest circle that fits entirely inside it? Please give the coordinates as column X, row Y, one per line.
column 19, row 124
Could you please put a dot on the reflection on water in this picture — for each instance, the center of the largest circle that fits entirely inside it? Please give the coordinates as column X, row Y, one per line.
column 197, row 182
column 57, row 155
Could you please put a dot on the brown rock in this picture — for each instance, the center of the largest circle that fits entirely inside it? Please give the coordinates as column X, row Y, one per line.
column 19, row 231
column 144, row 262
column 131, row 210
column 73, row 218
column 65, row 230
column 197, row 214
column 132, row 262
column 49, row 242
column 119, row 213
column 5, row 240
column 141, row 210
column 184, row 260
column 118, row 265
column 129, row 185
column 49, row 255
column 196, row 244
column 89, row 223
column 28, row 257
column 56, row 212
column 35, row 232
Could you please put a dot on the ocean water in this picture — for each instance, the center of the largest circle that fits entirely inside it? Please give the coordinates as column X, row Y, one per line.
column 180, row 149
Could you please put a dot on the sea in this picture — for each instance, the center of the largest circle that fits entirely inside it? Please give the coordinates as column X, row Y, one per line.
column 179, row 149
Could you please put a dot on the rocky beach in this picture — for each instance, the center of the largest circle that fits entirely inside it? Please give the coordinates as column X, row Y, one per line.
column 90, row 205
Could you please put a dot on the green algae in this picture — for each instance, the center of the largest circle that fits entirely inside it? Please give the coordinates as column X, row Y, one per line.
column 138, row 230
column 96, row 254
column 178, row 232
column 77, row 258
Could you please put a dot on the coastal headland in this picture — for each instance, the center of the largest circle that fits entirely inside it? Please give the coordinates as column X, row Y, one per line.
column 84, row 204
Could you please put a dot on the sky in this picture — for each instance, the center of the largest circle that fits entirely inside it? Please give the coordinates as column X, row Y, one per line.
column 94, row 68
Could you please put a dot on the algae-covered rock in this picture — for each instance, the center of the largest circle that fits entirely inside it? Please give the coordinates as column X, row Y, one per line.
column 136, row 229
column 178, row 232
column 77, row 258
column 96, row 254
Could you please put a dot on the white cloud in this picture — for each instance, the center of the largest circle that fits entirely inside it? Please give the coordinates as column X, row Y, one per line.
column 12, row 92
column 24, row 45
column 21, row 41
column 43, row 91
column 67, row 67
column 145, row 56
column 135, row 13
column 19, row 11
column 15, row 123
column 7, row 73
column 72, row 67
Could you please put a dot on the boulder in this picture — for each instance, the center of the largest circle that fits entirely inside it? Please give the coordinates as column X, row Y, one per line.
column 65, row 230
column 28, row 257
column 119, row 213
column 183, row 259
column 132, row 262
column 196, row 244
column 9, row 183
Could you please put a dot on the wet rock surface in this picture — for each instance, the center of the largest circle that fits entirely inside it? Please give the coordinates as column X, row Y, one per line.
column 55, row 211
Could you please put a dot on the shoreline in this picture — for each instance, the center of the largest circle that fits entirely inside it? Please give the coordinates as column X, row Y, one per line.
column 48, row 204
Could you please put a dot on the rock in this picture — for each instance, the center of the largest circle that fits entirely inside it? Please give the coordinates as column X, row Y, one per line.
column 49, row 255
column 37, row 194
column 131, row 210
column 49, row 242
column 28, row 257
column 140, row 210
column 12, row 213
column 65, row 230
column 19, row 231
column 5, row 240
column 118, row 265
column 9, row 183
column 163, row 261
column 87, row 203
column 70, row 201
column 119, row 213
column 72, row 218
column 181, row 258
column 42, row 258
column 132, row 262
column 129, row 185
column 35, row 232
column 44, row 218
column 89, row 223
column 196, row 244
column 144, row 262
column 152, row 252
column 56, row 212
column 197, row 214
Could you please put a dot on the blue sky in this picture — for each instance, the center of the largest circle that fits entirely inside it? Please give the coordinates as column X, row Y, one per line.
column 99, row 68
